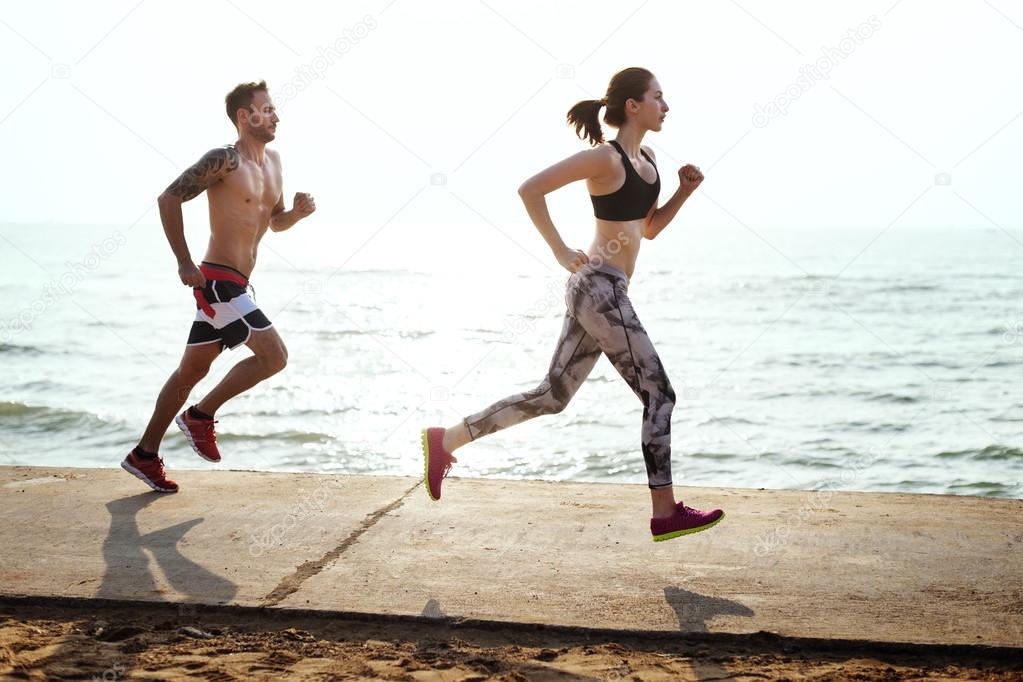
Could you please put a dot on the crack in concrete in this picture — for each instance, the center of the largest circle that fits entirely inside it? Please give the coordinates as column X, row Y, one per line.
column 291, row 584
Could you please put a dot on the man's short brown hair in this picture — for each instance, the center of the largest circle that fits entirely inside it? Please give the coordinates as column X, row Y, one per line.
column 241, row 98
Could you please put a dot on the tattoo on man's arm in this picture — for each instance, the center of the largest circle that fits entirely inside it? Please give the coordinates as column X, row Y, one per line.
column 211, row 167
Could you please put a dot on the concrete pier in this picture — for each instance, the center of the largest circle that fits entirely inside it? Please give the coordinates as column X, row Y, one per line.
column 923, row 569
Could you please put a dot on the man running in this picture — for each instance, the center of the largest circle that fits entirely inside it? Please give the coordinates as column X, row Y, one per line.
column 245, row 190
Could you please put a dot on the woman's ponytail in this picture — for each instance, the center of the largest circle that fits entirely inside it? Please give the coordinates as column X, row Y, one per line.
column 585, row 116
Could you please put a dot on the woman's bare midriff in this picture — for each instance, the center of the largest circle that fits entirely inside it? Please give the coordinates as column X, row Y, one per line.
column 616, row 243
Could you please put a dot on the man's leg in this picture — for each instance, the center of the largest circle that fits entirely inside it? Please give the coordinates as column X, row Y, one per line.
column 195, row 364
column 270, row 356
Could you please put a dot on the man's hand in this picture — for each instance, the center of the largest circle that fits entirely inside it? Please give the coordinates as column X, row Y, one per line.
column 689, row 177
column 572, row 259
column 191, row 275
column 303, row 206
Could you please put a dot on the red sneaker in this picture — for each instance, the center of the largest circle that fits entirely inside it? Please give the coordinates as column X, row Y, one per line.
column 436, row 461
column 684, row 521
column 200, row 435
column 150, row 472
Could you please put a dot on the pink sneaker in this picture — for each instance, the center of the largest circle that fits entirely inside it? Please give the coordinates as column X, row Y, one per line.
column 684, row 521
column 436, row 461
column 200, row 435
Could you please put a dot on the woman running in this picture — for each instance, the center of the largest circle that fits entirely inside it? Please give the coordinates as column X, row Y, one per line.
column 624, row 184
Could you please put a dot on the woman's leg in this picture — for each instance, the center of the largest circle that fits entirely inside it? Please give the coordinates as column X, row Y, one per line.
column 607, row 315
column 574, row 357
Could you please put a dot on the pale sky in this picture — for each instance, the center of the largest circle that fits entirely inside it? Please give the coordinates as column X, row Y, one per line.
column 106, row 102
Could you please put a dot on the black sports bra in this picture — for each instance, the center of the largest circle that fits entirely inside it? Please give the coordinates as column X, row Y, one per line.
column 633, row 199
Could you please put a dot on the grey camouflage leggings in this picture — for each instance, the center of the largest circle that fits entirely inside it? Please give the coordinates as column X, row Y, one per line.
column 600, row 318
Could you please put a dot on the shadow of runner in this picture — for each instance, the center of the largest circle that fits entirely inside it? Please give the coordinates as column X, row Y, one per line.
column 107, row 651
column 128, row 574
column 693, row 610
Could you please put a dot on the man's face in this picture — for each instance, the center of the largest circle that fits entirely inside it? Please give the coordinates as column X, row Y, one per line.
column 261, row 119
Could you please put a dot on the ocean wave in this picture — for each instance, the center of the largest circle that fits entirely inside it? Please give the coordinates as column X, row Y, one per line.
column 817, row 441
column 813, row 463
column 39, row 418
column 980, row 488
column 312, row 412
column 815, row 393
column 17, row 349
column 869, row 427
column 989, row 453
column 344, row 333
column 728, row 420
column 41, row 385
column 938, row 363
column 907, row 288
column 290, row 436
column 884, row 397
column 719, row 456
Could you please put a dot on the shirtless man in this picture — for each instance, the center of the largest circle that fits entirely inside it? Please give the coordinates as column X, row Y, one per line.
column 245, row 191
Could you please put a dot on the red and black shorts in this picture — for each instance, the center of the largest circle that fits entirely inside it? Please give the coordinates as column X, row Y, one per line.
column 226, row 310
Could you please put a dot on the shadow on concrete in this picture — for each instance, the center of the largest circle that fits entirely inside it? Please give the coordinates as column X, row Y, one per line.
column 693, row 610
column 127, row 553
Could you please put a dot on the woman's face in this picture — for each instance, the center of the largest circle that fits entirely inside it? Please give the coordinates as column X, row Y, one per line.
column 651, row 111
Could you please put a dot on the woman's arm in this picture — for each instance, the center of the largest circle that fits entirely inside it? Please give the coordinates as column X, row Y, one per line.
column 689, row 178
column 592, row 163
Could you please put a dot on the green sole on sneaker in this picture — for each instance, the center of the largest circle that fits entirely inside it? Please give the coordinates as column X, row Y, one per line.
column 426, row 467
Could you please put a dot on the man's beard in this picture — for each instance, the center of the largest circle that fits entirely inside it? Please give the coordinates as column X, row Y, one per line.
column 263, row 135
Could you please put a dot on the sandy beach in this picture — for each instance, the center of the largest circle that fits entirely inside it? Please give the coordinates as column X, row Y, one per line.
column 161, row 642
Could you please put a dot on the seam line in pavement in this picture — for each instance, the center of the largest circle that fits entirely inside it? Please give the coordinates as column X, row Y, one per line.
column 293, row 582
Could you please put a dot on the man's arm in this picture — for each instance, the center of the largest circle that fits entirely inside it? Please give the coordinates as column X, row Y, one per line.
column 210, row 169
column 302, row 206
